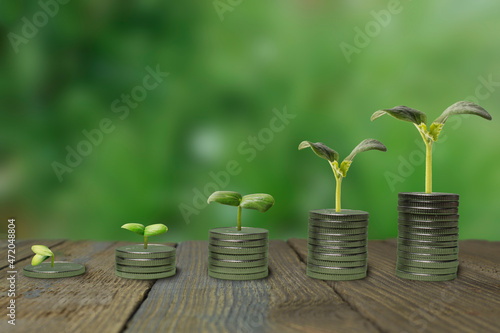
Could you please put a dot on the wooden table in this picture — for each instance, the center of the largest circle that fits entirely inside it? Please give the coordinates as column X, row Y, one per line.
column 287, row 301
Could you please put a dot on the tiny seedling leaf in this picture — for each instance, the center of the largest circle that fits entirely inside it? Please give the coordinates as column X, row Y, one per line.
column 134, row 227
column 155, row 229
column 321, row 150
column 259, row 201
column 463, row 108
column 365, row 145
column 42, row 250
column 38, row 259
column 403, row 113
column 226, row 198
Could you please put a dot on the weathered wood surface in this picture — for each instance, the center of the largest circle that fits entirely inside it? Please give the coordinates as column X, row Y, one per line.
column 286, row 301
column 471, row 303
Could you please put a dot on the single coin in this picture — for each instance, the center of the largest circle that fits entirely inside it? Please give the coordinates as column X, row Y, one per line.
column 428, row 250
column 238, row 250
column 244, row 257
column 337, row 257
column 343, row 215
column 240, row 243
column 229, row 270
column 335, row 277
column 422, row 236
column 145, row 276
column 446, row 224
column 428, row 230
column 61, row 269
column 419, row 242
column 322, row 242
column 336, row 237
column 340, row 232
column 233, row 233
column 138, row 251
column 144, row 262
column 328, row 263
column 239, row 277
column 427, row 256
column 337, row 225
column 427, row 263
column 436, row 196
column 428, row 204
column 420, row 270
column 144, row 269
column 426, row 217
column 425, row 277
column 237, row 263
column 329, row 220
column 428, row 211
column 339, row 250
column 336, row 270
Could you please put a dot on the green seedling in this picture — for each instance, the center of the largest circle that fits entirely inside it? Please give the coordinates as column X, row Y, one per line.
column 150, row 230
column 259, row 201
column 41, row 254
column 332, row 157
column 431, row 134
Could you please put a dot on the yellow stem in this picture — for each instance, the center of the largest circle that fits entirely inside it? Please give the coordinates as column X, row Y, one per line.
column 52, row 262
column 337, row 194
column 428, row 168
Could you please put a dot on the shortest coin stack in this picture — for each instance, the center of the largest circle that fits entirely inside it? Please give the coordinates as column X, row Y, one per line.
column 61, row 269
column 238, row 254
column 136, row 262
column 337, row 244
column 427, row 236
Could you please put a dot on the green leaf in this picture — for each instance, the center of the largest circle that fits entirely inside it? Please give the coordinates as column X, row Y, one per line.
column 155, row 229
column 403, row 113
column 321, row 150
column 259, row 201
column 462, row 108
column 42, row 250
column 226, row 198
column 134, row 227
column 38, row 259
column 365, row 145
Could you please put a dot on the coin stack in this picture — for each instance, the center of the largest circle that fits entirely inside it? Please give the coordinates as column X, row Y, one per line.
column 337, row 244
column 238, row 254
column 136, row 262
column 61, row 269
column 427, row 236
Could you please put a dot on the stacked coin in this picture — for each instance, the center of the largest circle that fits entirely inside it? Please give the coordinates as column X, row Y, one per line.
column 61, row 269
column 337, row 244
column 136, row 262
column 238, row 254
column 427, row 236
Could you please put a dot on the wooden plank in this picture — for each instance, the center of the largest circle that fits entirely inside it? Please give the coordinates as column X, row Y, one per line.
column 23, row 249
column 97, row 301
column 471, row 303
column 286, row 301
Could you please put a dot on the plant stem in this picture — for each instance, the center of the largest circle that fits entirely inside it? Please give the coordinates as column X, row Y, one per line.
column 428, row 167
column 239, row 218
column 337, row 194
column 52, row 262
column 145, row 242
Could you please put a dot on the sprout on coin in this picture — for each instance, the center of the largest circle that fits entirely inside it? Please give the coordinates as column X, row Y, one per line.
column 431, row 134
column 332, row 157
column 150, row 230
column 259, row 201
column 41, row 254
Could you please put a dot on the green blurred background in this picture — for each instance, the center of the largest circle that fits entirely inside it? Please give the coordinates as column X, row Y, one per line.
column 226, row 76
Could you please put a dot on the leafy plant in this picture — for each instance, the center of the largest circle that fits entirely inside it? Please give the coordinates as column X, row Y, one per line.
column 332, row 157
column 431, row 134
column 150, row 230
column 259, row 201
column 41, row 254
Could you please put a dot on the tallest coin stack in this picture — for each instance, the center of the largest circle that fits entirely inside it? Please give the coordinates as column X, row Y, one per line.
column 427, row 236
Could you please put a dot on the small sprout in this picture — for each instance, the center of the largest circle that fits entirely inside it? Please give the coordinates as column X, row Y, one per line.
column 150, row 230
column 41, row 254
column 332, row 157
column 431, row 134
column 259, row 201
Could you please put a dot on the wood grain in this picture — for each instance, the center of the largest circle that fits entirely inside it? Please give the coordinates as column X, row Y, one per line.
column 97, row 301
column 471, row 303
column 286, row 301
